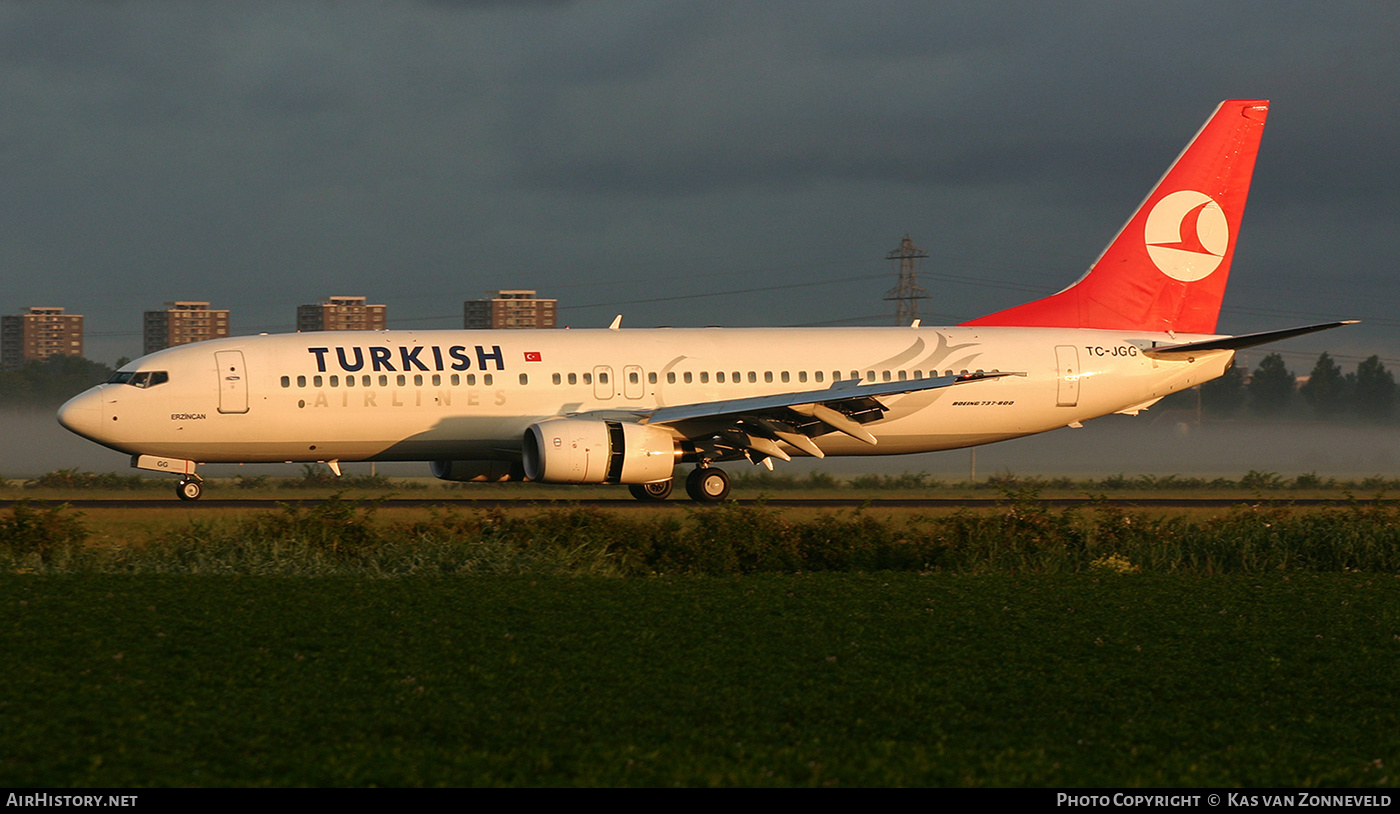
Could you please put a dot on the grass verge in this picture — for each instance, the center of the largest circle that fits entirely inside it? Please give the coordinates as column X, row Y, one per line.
column 1023, row 535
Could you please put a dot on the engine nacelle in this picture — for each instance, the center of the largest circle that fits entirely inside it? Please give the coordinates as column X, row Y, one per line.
column 581, row 450
column 477, row 471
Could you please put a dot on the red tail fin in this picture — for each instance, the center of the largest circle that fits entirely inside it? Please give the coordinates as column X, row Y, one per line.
column 1166, row 269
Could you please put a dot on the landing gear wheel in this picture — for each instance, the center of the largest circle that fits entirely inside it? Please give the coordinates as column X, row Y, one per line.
column 707, row 485
column 660, row 490
column 189, row 489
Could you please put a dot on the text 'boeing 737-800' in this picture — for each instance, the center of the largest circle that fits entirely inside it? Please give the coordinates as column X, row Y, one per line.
column 627, row 406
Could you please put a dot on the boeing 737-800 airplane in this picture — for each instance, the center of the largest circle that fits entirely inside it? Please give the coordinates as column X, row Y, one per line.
column 627, row 406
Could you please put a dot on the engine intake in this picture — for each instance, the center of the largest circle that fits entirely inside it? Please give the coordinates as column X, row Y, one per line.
column 580, row 450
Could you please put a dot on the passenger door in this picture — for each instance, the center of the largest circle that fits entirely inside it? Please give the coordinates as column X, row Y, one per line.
column 233, row 381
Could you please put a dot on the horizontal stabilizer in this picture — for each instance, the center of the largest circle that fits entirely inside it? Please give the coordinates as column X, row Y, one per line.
column 1241, row 341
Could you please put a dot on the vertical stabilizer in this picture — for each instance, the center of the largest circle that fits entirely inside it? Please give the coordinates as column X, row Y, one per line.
column 1166, row 270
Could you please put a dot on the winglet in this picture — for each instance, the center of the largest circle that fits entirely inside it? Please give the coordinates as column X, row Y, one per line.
column 616, row 323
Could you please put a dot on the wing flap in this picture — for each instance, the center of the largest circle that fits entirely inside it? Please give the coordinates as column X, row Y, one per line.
column 843, row 393
column 754, row 427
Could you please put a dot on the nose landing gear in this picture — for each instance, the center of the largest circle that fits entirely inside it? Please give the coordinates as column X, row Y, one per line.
column 191, row 485
column 189, row 488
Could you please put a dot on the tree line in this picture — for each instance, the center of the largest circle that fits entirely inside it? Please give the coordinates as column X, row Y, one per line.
column 1367, row 394
column 49, row 383
column 1271, row 390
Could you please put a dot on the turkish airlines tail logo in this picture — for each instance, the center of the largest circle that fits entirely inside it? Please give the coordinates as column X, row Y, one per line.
column 1167, row 267
column 1187, row 235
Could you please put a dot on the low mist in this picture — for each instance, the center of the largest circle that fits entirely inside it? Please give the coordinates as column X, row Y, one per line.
column 33, row 443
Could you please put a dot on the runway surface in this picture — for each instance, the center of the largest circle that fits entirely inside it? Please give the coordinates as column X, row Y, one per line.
column 628, row 504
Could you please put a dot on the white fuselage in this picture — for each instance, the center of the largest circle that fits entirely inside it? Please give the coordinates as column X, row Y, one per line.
column 443, row 395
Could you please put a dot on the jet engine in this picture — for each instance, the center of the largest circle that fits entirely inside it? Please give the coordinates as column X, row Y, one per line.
column 581, row 450
column 477, row 471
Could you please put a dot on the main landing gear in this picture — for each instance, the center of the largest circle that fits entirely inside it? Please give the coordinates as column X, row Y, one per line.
column 704, row 485
column 657, row 490
column 707, row 485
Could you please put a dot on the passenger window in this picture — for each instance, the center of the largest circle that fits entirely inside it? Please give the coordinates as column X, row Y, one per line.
column 437, row 380
column 588, row 378
column 335, row 381
column 768, row 376
column 719, row 377
column 671, row 377
column 486, row 379
column 316, row 381
column 524, row 378
column 651, row 378
column 687, row 377
column 558, row 379
column 286, row 381
column 471, row 380
column 418, row 380
column 364, row 380
column 301, row 381
column 383, row 380
column 704, row 377
column 573, row 378
column 802, row 376
column 402, row 381
column 456, row 379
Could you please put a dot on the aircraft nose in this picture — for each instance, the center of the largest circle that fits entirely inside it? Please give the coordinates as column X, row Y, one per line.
column 82, row 414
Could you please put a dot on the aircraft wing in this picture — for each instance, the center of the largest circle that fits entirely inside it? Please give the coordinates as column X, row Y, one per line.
column 753, row 427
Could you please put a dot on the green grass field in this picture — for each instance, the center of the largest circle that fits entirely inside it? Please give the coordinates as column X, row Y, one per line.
column 827, row 679
column 356, row 643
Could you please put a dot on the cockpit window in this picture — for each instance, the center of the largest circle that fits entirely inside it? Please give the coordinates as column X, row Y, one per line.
column 142, row 379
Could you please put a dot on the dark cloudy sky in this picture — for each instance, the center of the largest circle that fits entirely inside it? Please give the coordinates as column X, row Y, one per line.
column 683, row 163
